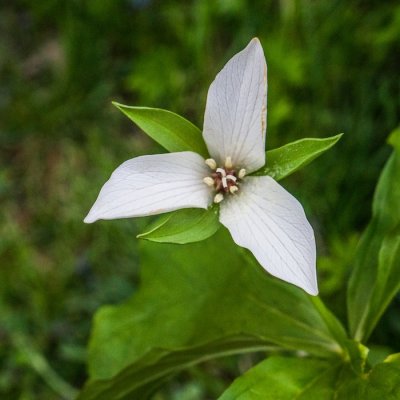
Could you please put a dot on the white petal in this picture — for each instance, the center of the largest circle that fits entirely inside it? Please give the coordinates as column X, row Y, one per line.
column 235, row 116
column 153, row 184
column 270, row 222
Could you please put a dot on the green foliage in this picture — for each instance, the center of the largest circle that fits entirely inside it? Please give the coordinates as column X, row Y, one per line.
column 183, row 226
column 194, row 303
column 374, row 281
column 279, row 378
column 381, row 382
column 177, row 134
column 141, row 379
column 132, row 354
column 394, row 139
column 172, row 131
column 284, row 378
column 332, row 67
column 287, row 159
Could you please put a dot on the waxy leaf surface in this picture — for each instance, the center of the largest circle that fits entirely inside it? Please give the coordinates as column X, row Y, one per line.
column 284, row 378
column 204, row 293
column 170, row 130
column 287, row 159
column 183, row 226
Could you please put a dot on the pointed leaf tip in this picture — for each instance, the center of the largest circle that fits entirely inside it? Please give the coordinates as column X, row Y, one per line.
column 285, row 160
column 170, row 130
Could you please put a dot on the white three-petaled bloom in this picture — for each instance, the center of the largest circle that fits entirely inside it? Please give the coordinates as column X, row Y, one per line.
column 259, row 213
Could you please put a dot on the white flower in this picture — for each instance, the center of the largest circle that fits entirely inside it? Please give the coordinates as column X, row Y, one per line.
column 259, row 213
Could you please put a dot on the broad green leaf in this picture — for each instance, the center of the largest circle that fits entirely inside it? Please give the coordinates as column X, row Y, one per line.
column 205, row 292
column 287, row 159
column 376, row 276
column 141, row 379
column 380, row 383
column 184, row 226
column 172, row 131
column 284, row 378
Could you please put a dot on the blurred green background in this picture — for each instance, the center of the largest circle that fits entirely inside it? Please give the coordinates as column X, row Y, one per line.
column 333, row 67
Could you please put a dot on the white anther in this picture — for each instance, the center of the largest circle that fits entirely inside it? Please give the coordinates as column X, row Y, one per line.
column 242, row 173
column 233, row 189
column 210, row 162
column 221, row 171
column 224, row 182
column 228, row 163
column 231, row 178
column 218, row 198
column 208, row 181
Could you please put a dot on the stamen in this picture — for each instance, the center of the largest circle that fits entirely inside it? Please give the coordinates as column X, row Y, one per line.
column 221, row 171
column 228, row 163
column 208, row 181
column 224, row 180
column 218, row 198
column 210, row 162
column 233, row 189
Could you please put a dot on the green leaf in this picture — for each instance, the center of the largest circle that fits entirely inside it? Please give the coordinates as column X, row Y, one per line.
column 375, row 279
column 184, row 226
column 287, row 159
column 394, row 139
column 205, row 293
column 382, row 382
column 172, row 131
column 141, row 379
column 284, row 378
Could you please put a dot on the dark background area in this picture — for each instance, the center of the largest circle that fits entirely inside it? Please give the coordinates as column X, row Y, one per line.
column 333, row 66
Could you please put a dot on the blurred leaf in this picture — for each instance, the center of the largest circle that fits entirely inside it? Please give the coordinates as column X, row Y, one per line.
column 38, row 363
column 287, row 159
column 184, row 226
column 334, row 266
column 201, row 293
column 376, row 276
column 394, row 139
column 172, row 131
column 283, row 378
column 382, row 382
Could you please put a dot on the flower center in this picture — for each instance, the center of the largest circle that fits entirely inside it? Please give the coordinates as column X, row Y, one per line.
column 225, row 180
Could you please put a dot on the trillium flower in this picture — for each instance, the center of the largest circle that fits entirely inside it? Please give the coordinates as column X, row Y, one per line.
column 258, row 212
